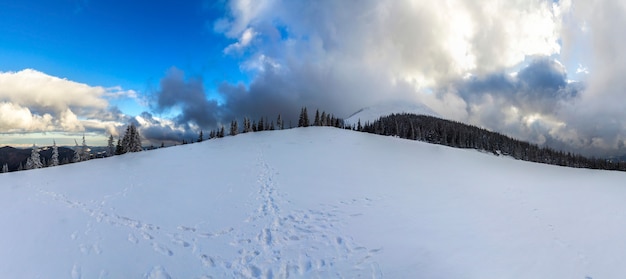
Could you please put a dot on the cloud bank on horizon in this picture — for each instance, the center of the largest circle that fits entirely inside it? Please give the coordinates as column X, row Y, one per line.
column 544, row 71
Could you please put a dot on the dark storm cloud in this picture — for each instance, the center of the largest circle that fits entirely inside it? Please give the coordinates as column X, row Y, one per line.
column 268, row 95
column 189, row 96
column 537, row 88
column 528, row 105
column 543, row 74
column 159, row 131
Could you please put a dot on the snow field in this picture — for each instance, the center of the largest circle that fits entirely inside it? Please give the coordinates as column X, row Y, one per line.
column 313, row 203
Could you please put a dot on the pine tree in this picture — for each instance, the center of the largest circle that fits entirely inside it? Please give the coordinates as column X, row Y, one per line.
column 119, row 149
column 233, row 128
column 246, row 125
column 5, row 168
column 110, row 146
column 84, row 151
column 136, row 147
column 316, row 120
column 76, row 157
column 34, row 161
column 126, row 140
column 220, row 134
column 200, row 136
column 260, row 126
column 279, row 122
column 131, row 141
column 303, row 120
column 54, row 160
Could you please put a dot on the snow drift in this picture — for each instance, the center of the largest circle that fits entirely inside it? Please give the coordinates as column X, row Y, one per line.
column 314, row 203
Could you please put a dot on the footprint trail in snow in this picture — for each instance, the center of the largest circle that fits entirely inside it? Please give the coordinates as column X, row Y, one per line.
column 270, row 243
column 298, row 243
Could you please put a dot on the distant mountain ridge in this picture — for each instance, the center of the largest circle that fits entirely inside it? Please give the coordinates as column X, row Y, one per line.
column 372, row 113
column 13, row 157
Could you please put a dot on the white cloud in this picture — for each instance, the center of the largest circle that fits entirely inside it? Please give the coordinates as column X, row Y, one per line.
column 32, row 101
column 243, row 14
column 17, row 119
column 582, row 69
column 420, row 43
column 244, row 40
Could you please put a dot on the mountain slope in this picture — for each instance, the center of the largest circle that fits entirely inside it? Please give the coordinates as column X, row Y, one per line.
column 372, row 113
column 312, row 202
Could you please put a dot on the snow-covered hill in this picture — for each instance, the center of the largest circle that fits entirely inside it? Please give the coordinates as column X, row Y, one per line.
column 315, row 203
column 372, row 113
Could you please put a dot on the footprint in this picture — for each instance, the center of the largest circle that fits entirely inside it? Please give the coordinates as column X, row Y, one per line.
column 157, row 272
column 376, row 250
column 76, row 272
column 339, row 240
column 266, row 237
column 207, row 261
column 180, row 242
column 187, row 229
column 132, row 238
column 146, row 236
column 254, row 271
column 162, row 249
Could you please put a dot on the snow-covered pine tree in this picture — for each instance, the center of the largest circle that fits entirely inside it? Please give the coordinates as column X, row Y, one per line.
column 34, row 155
column 54, row 160
column 200, row 136
column 5, row 168
column 76, row 157
column 29, row 164
column 84, row 151
column 110, row 146
column 279, row 122
column 34, row 161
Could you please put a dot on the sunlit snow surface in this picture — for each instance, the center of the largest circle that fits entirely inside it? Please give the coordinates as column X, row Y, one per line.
column 313, row 203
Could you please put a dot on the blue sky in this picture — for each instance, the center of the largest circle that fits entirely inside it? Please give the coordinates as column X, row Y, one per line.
column 115, row 43
column 540, row 70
